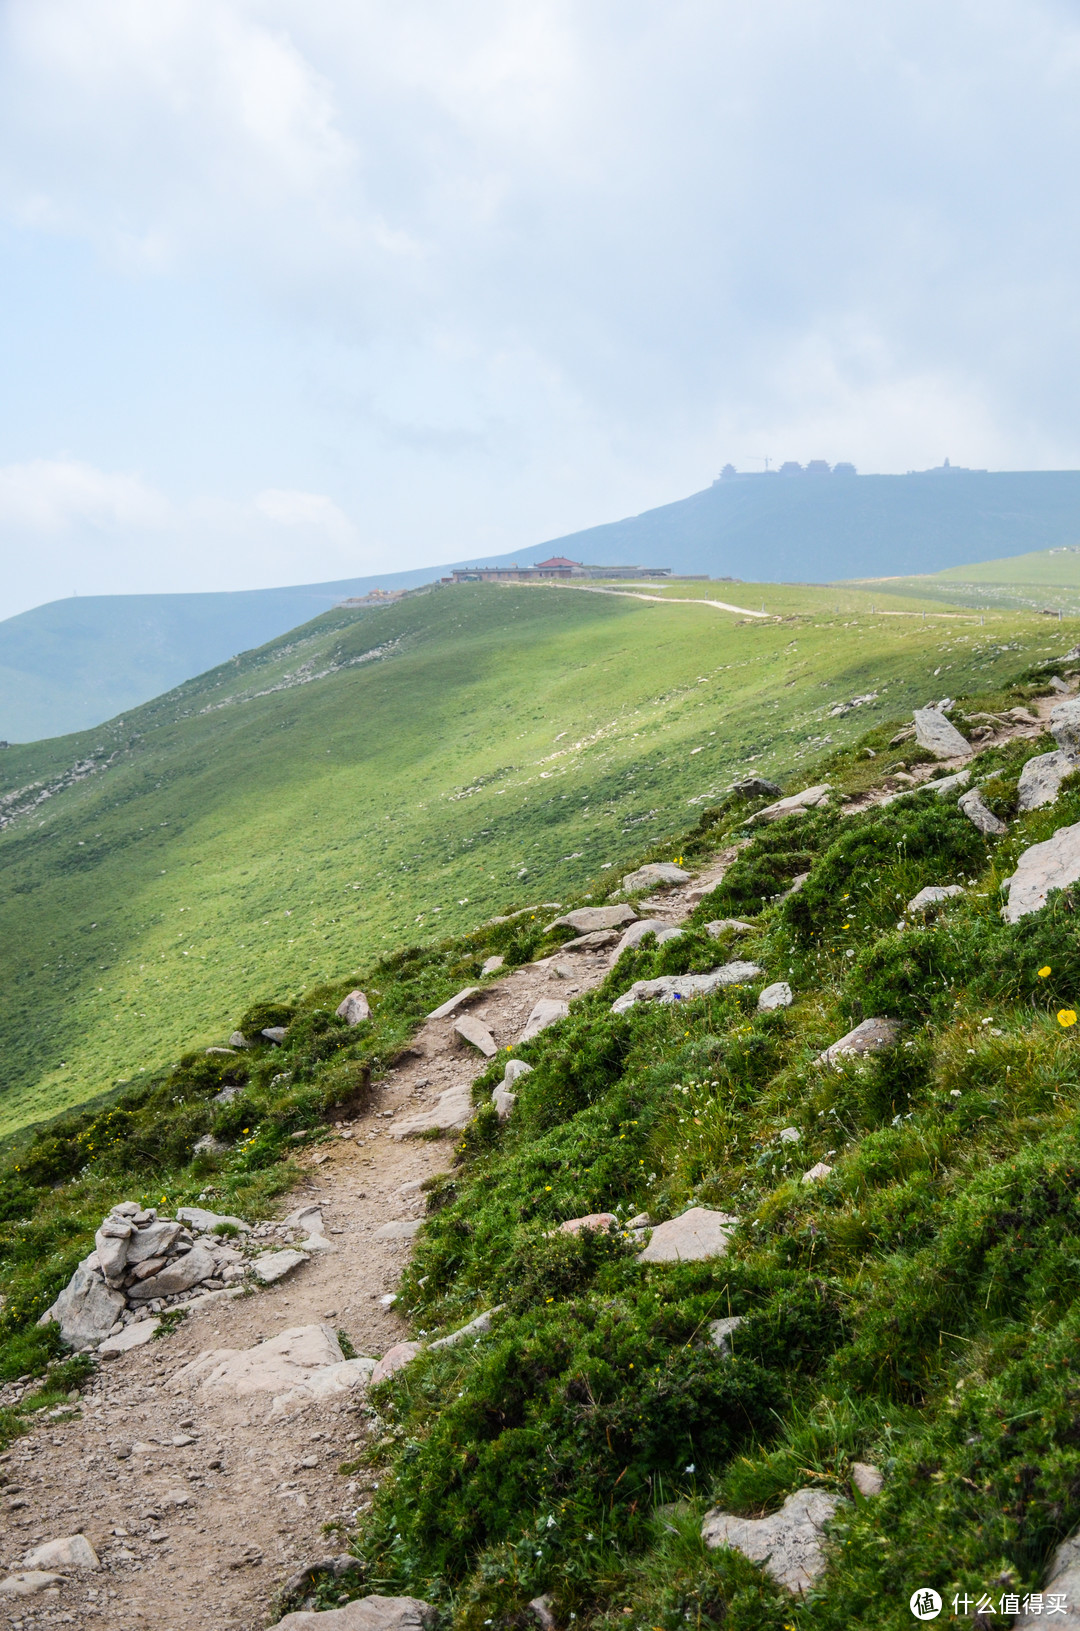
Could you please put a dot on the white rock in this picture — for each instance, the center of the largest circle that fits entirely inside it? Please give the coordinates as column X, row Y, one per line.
column 475, row 1328
column 660, row 927
column 726, row 925
column 399, row 1229
column 788, row 1545
column 1062, row 1578
column 492, row 965
column 1065, row 728
column 655, row 875
column 325, row 1382
column 935, row 733
column 452, row 1110
column 28, row 1582
column 287, row 1361
column 132, row 1336
column 868, row 1479
column 820, row 1169
column 977, row 813
column 156, row 1240
column 504, row 1102
column 868, row 1037
column 354, row 1008
column 111, row 1245
column 600, row 1222
column 811, row 798
column 789, row 1135
column 70, row 1552
column 949, row 784
column 179, row 1275
column 587, row 918
column 514, row 1069
column 1054, row 864
column 933, row 895
column 598, row 940
column 451, row 1006
column 721, row 1332
column 695, row 1234
column 778, row 995
column 365, row 1614
column 308, row 1218
column 272, row 1266
column 475, row 1032
column 86, row 1310
column 1041, row 779
column 548, row 1011
column 394, row 1359
column 205, row 1221
column 683, row 987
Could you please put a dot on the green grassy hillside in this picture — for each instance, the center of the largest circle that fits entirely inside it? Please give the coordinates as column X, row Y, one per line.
column 1047, row 579
column 915, row 1307
column 378, row 776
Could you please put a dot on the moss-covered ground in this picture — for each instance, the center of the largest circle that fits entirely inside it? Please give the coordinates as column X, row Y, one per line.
column 379, row 777
column 918, row 1308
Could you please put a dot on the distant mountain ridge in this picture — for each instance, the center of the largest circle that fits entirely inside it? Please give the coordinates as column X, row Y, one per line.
column 73, row 663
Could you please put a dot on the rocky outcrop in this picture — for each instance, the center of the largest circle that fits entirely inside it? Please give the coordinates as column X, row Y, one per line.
column 788, row 1545
column 655, row 875
column 86, row 1310
column 1041, row 779
column 683, row 987
column 365, row 1614
column 1065, row 728
column 354, row 1009
column 452, row 1110
column 811, row 798
column 868, row 1037
column 1054, row 864
column 938, row 736
column 695, row 1234
column 1063, row 1580
column 291, row 1370
column 980, row 816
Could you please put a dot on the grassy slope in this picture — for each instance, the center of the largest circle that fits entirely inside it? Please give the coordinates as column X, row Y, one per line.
column 508, row 745
column 916, row 1309
column 1047, row 578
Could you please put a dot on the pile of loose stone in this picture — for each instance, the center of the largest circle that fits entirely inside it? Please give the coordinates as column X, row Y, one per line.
column 144, row 1265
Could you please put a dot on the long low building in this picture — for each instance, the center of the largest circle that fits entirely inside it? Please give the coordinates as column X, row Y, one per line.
column 557, row 567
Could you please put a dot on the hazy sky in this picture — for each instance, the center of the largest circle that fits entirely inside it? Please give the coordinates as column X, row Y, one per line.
column 302, row 289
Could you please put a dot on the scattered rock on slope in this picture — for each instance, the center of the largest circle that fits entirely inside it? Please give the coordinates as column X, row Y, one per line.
column 977, row 813
column 695, row 1234
column 778, row 995
column 451, row 1006
column 474, row 1031
column 1041, row 779
column 933, row 895
column 1062, row 1578
column 452, row 1110
column 1065, row 728
column 646, row 925
column 655, row 875
column 939, row 736
column 787, row 1544
column 809, row 799
column 546, row 1012
column 364, row 1614
column 868, row 1037
column 1054, row 864
column 354, row 1008
column 587, row 918
column 682, row 987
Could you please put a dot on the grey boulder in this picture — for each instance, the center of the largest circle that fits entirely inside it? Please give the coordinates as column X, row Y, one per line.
column 365, row 1614
column 272, row 1266
column 200, row 1218
column 694, row 1235
column 682, row 987
column 598, row 940
column 354, row 1008
column 475, row 1032
column 1062, row 1578
column 156, row 1240
column 868, row 1037
column 722, row 1331
column 756, row 787
column 727, row 925
column 778, row 995
column 452, row 1110
column 180, row 1275
column 69, row 1552
column 809, row 799
column 546, row 1012
column 977, row 813
column 933, row 895
column 111, row 1245
column 587, row 918
column 787, row 1544
column 660, row 927
column 938, row 736
column 1041, row 779
column 1065, row 728
column 86, row 1310
column 451, row 1006
column 1054, row 864
column 655, row 875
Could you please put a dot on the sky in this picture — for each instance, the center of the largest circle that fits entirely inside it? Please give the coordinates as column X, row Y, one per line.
column 294, row 290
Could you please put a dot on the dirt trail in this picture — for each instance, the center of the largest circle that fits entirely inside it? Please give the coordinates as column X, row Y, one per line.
column 200, row 1535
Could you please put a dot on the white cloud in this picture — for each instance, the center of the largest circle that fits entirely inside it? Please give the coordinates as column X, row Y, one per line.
column 313, row 511
column 49, row 496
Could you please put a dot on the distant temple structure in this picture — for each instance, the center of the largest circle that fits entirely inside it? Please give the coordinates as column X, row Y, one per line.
column 557, row 567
